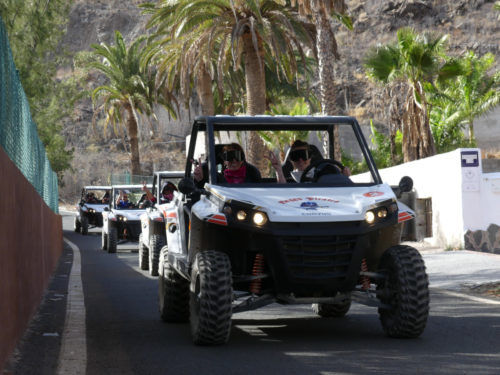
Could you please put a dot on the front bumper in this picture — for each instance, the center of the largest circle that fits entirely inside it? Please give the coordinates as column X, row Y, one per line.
column 303, row 259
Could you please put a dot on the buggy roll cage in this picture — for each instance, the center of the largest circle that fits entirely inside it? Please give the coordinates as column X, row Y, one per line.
column 210, row 124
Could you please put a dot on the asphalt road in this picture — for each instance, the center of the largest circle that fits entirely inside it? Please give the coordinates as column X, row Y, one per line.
column 124, row 333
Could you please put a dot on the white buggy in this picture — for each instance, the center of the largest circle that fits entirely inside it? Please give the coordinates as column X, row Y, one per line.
column 89, row 210
column 153, row 229
column 326, row 241
column 121, row 219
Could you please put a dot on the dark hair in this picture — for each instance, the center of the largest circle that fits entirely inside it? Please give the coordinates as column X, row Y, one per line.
column 168, row 185
column 299, row 143
column 234, row 146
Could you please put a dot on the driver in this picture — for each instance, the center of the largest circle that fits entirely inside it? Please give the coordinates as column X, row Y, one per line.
column 166, row 195
column 122, row 201
column 300, row 159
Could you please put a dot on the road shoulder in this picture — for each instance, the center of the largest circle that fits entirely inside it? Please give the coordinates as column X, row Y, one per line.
column 38, row 350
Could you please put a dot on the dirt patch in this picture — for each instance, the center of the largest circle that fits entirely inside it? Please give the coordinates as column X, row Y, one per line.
column 489, row 290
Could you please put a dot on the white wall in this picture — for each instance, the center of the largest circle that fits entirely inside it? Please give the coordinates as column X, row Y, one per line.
column 462, row 196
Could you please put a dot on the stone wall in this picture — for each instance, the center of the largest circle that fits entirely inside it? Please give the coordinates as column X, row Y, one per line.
column 487, row 241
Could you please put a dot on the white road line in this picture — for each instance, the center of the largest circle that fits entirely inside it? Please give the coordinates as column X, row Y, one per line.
column 467, row 296
column 73, row 355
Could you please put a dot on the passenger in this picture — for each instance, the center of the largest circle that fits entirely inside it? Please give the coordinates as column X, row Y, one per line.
column 144, row 201
column 300, row 159
column 105, row 197
column 167, row 192
column 148, row 193
column 90, row 198
column 236, row 169
column 122, row 201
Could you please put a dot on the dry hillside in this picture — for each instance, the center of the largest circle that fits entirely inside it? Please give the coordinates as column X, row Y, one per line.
column 471, row 25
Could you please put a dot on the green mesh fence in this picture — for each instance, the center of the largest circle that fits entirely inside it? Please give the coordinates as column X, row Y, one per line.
column 18, row 133
column 128, row 179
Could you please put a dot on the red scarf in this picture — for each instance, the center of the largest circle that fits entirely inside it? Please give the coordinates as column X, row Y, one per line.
column 237, row 176
column 168, row 196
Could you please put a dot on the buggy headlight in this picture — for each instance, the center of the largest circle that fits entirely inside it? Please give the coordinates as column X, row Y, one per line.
column 382, row 213
column 241, row 215
column 122, row 218
column 259, row 218
column 369, row 217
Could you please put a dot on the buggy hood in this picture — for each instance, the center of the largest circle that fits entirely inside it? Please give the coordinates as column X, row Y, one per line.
column 308, row 204
column 131, row 215
column 98, row 207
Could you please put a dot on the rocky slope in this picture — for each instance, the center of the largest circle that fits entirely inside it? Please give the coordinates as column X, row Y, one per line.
column 471, row 24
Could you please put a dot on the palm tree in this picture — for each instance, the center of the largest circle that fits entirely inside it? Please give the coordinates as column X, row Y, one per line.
column 322, row 12
column 475, row 91
column 281, row 139
column 455, row 105
column 251, row 30
column 416, row 61
column 131, row 90
column 181, row 59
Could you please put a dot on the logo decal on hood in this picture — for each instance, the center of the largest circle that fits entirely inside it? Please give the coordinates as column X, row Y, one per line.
column 309, row 199
column 372, row 194
column 310, row 205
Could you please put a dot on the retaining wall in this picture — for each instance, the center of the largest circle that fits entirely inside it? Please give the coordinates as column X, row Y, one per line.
column 30, row 246
column 465, row 200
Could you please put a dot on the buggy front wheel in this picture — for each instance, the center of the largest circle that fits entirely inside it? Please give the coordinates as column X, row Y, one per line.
column 173, row 293
column 104, row 241
column 85, row 225
column 404, row 292
column 143, row 254
column 77, row 226
column 157, row 242
column 211, row 298
column 112, row 239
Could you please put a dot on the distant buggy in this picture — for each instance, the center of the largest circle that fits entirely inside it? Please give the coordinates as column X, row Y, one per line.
column 121, row 219
column 89, row 210
column 326, row 240
column 153, row 229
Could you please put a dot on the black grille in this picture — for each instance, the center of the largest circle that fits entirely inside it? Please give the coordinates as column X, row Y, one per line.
column 134, row 229
column 318, row 257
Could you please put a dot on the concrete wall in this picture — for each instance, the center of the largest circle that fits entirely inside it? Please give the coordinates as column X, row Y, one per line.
column 463, row 197
column 487, row 131
column 30, row 246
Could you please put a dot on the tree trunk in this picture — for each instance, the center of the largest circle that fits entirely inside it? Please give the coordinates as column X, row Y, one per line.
column 204, row 89
column 256, row 97
column 254, row 76
column 327, row 54
column 133, row 140
column 418, row 142
column 471, row 131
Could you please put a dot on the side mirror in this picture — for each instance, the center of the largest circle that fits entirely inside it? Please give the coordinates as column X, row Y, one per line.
column 406, row 184
column 186, row 186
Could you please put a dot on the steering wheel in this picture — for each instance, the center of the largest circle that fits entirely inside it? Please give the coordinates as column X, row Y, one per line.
column 330, row 165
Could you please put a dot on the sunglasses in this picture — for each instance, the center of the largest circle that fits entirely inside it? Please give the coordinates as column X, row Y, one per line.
column 295, row 155
column 232, row 155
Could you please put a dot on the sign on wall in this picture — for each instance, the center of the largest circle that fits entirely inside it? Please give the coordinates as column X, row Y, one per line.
column 470, row 170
